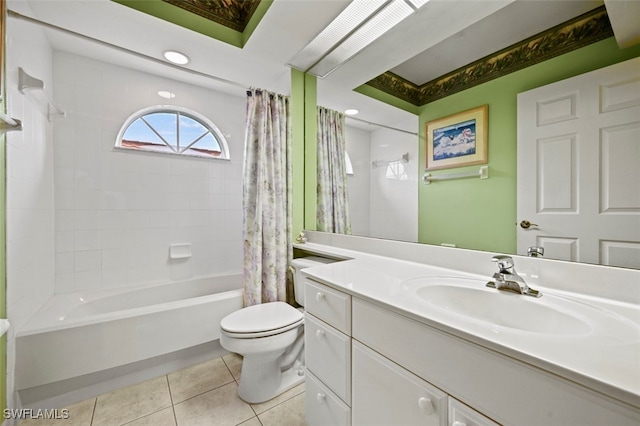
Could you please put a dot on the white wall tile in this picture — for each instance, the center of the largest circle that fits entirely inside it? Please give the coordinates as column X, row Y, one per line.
column 87, row 280
column 114, row 278
column 64, row 263
column 118, row 210
column 87, row 219
column 86, row 240
column 63, row 241
column 87, row 260
column 114, row 259
column 29, row 186
column 87, row 199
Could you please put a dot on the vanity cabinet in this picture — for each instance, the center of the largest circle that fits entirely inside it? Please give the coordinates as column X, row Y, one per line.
column 502, row 388
column 462, row 415
column 386, row 394
column 327, row 355
column 369, row 364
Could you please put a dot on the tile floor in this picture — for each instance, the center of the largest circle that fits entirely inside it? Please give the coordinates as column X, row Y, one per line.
column 205, row 394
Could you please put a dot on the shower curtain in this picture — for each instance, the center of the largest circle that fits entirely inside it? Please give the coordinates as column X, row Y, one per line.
column 333, row 205
column 266, row 197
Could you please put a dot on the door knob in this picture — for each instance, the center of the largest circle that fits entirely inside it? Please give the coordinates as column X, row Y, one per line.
column 525, row 224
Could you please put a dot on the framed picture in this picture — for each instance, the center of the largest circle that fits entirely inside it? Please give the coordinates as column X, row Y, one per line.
column 458, row 140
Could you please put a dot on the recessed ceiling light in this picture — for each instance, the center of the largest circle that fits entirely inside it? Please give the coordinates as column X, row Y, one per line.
column 351, row 111
column 166, row 94
column 176, row 57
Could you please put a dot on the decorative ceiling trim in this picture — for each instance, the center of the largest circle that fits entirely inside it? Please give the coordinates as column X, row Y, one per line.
column 212, row 18
column 233, row 14
column 581, row 31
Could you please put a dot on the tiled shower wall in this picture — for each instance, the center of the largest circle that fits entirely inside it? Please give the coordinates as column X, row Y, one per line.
column 30, row 232
column 29, row 186
column 383, row 204
column 358, row 184
column 118, row 211
column 394, row 196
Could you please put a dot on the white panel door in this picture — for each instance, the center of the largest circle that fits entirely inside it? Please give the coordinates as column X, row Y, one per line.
column 579, row 167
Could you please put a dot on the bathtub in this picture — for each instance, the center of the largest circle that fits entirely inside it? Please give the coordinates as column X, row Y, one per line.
column 87, row 332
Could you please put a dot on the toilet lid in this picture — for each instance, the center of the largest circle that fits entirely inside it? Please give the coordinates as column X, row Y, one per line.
column 260, row 318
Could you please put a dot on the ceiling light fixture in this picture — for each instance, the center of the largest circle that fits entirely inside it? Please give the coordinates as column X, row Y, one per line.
column 351, row 111
column 359, row 24
column 176, row 57
column 166, row 94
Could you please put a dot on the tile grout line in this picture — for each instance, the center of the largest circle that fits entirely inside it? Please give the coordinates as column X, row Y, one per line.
column 93, row 412
column 236, row 380
column 173, row 406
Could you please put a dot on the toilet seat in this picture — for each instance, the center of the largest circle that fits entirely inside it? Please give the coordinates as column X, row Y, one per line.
column 261, row 320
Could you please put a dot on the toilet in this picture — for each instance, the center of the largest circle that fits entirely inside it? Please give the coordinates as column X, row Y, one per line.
column 270, row 337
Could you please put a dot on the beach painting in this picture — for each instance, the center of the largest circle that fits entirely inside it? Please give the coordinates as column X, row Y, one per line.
column 457, row 140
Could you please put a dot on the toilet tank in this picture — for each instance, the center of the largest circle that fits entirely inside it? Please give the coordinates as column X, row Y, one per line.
column 298, row 265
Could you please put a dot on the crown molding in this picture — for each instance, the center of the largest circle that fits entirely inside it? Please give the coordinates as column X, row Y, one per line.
column 581, row 31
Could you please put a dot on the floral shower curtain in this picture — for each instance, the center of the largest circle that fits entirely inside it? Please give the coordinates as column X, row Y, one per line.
column 333, row 204
column 266, row 197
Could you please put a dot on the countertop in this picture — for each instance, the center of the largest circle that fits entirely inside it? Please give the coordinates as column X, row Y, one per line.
column 606, row 359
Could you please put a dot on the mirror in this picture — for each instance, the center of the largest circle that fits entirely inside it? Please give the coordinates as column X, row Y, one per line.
column 387, row 197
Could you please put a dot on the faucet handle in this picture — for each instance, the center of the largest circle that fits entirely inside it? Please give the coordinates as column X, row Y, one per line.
column 505, row 263
column 535, row 251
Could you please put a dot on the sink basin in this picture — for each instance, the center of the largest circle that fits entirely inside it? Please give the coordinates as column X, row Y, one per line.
column 471, row 299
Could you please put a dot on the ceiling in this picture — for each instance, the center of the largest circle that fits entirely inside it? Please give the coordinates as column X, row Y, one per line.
column 441, row 37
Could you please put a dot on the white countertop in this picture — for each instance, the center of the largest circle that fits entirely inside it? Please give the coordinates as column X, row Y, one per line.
column 606, row 359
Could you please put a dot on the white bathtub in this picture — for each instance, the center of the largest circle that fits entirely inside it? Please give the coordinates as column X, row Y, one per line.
column 86, row 332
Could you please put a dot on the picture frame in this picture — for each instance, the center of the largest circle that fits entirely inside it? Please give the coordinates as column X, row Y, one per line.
column 457, row 140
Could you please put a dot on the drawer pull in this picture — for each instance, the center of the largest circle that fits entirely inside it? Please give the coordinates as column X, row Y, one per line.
column 321, row 397
column 425, row 405
column 320, row 334
column 319, row 297
column 458, row 423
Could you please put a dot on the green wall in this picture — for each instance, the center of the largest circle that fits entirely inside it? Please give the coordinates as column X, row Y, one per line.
column 297, row 151
column 304, row 128
column 3, row 206
column 481, row 214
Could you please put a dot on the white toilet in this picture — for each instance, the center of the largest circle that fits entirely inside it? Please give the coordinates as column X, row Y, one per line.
column 270, row 337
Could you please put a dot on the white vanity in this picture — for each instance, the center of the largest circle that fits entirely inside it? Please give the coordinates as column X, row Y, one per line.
column 392, row 342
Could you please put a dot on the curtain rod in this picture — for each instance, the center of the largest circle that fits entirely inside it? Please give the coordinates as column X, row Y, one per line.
column 17, row 15
column 381, row 125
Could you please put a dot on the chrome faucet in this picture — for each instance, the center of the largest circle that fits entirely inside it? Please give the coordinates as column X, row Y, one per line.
column 508, row 279
column 534, row 251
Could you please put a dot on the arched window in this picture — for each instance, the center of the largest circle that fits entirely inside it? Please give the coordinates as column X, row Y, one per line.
column 173, row 130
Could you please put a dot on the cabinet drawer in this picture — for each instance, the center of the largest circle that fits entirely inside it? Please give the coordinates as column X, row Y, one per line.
column 322, row 407
column 452, row 364
column 386, row 394
column 328, row 356
column 331, row 306
column 462, row 415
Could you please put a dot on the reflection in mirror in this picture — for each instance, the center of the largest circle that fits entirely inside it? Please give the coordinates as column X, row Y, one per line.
column 383, row 191
column 482, row 215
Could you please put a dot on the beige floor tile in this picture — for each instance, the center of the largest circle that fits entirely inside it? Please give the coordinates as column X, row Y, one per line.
column 261, row 408
column 219, row 407
column 159, row 418
column 289, row 413
column 80, row 414
column 234, row 362
column 131, row 403
column 251, row 422
column 198, row 379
